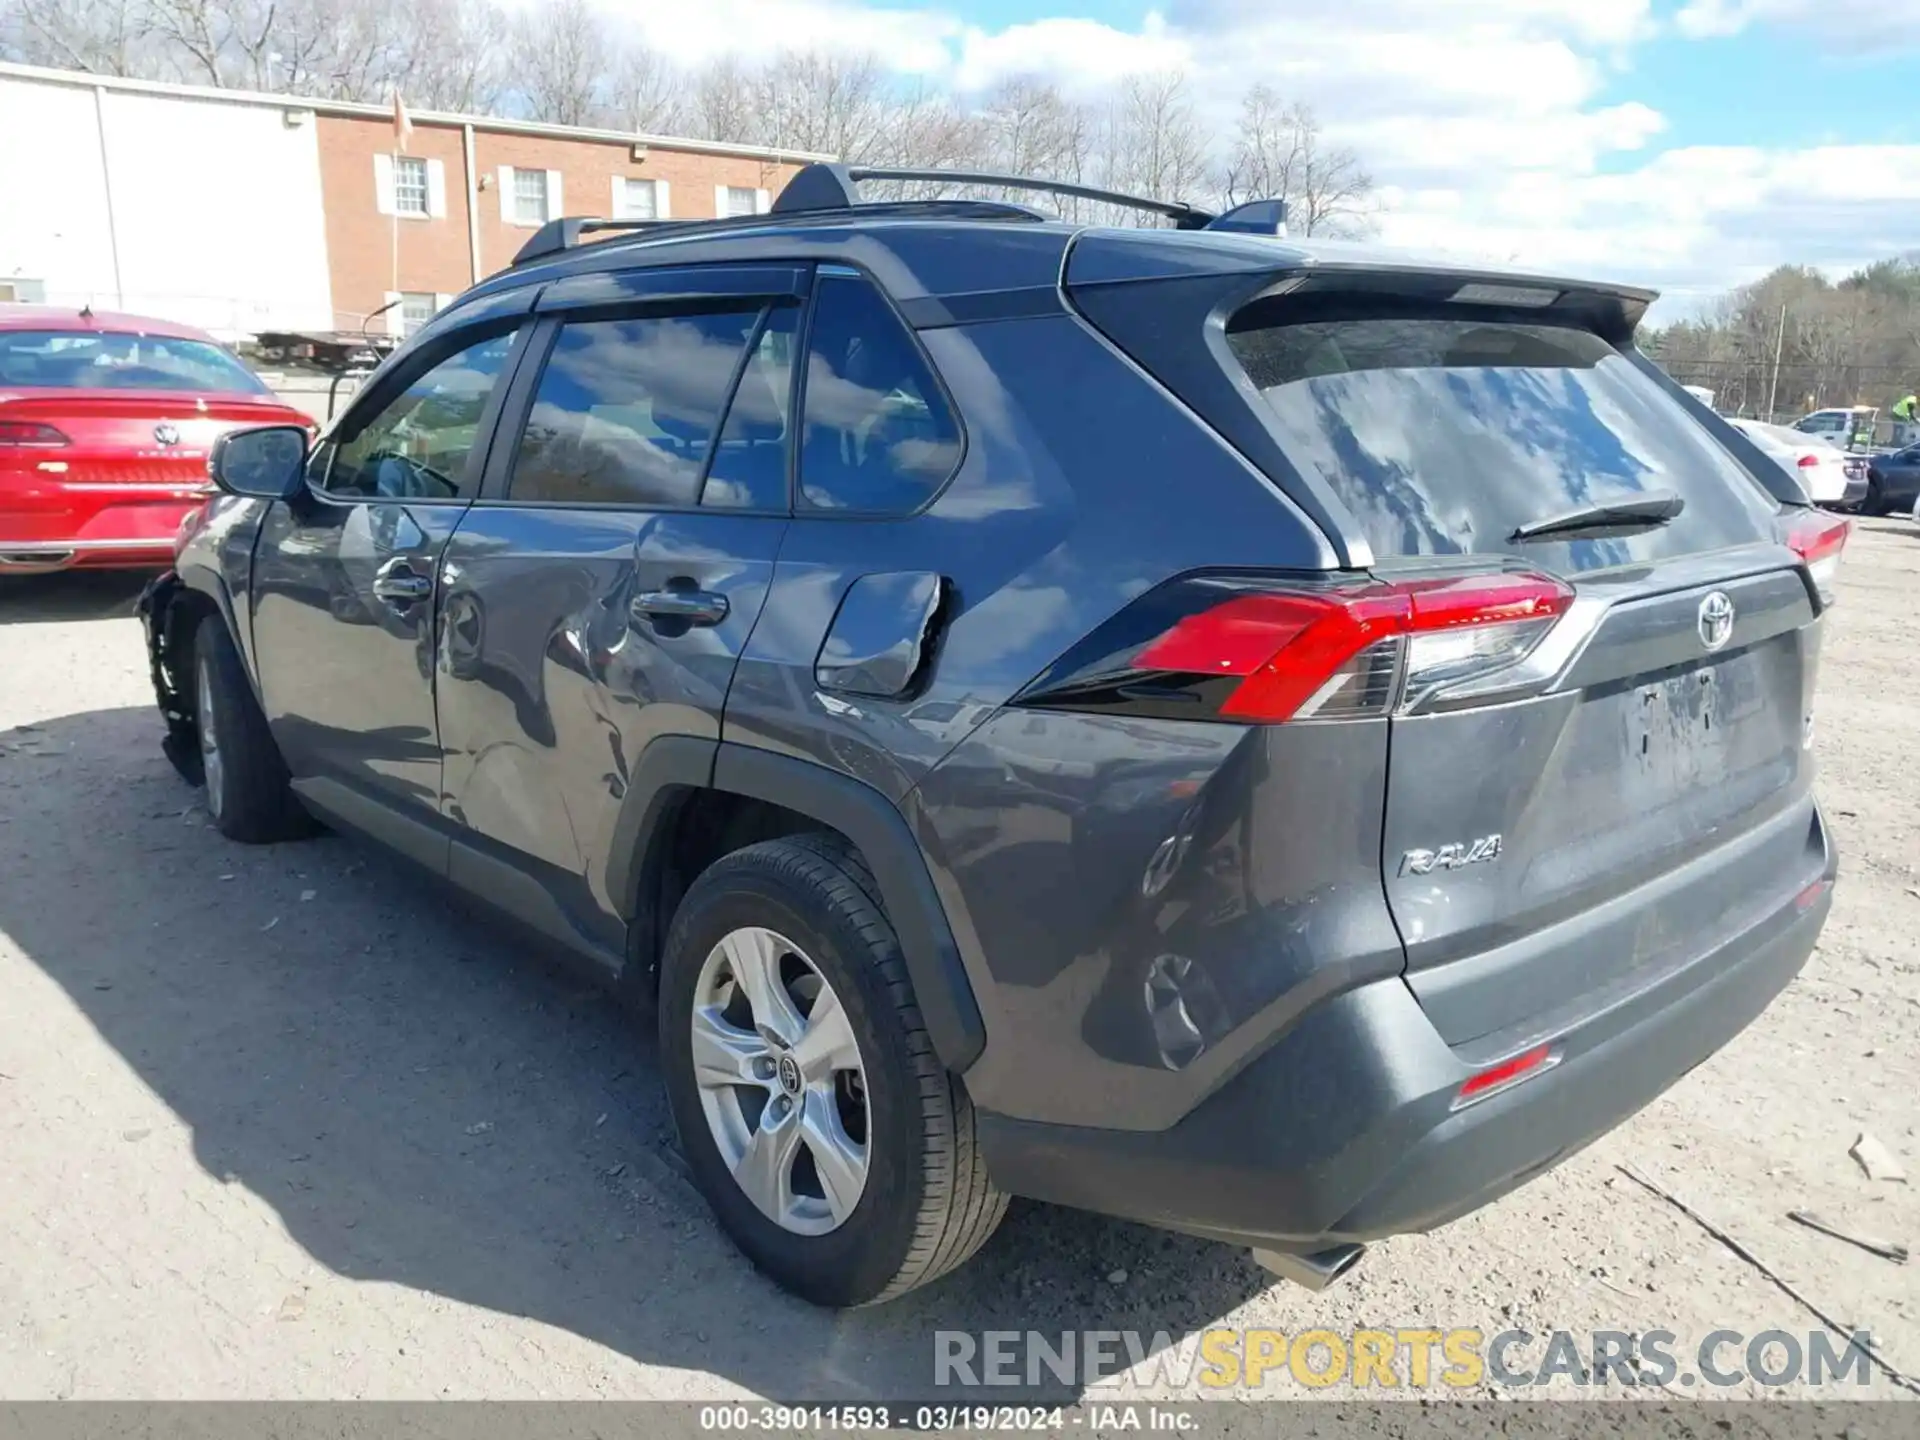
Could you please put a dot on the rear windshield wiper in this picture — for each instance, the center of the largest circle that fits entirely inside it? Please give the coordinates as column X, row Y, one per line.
column 1611, row 517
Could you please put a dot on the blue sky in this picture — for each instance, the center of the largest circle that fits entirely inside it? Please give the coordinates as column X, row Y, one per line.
column 1816, row 90
column 1687, row 144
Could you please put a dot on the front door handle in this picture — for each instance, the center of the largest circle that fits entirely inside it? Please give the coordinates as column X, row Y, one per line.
column 399, row 583
column 695, row 607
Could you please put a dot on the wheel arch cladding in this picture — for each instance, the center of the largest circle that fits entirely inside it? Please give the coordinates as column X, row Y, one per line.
column 675, row 769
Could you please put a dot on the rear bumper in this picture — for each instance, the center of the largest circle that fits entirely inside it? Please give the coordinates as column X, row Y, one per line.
column 1345, row 1130
column 39, row 557
column 57, row 525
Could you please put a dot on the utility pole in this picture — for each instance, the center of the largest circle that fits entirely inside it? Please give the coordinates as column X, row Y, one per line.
column 1779, row 340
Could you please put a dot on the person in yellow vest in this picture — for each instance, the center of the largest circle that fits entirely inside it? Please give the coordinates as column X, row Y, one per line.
column 1905, row 429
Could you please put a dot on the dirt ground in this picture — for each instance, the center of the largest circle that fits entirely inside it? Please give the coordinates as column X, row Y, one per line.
column 281, row 1123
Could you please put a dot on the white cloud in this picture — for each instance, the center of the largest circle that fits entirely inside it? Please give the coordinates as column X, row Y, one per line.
column 913, row 42
column 1835, row 25
column 1084, row 54
column 1690, row 221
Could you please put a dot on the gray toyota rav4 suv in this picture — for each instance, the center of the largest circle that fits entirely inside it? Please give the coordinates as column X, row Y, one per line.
column 1269, row 739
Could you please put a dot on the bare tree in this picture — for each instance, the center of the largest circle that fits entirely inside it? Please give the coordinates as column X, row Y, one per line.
column 1854, row 343
column 455, row 55
column 105, row 37
column 645, row 93
column 721, row 104
column 828, row 103
column 1278, row 152
column 1151, row 144
column 560, row 62
column 1030, row 128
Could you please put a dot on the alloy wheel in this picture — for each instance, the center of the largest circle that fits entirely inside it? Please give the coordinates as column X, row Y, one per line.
column 781, row 1081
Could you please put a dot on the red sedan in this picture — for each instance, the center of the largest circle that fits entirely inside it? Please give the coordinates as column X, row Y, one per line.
column 106, row 422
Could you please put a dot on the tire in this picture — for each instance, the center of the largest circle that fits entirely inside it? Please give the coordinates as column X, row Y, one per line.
column 246, row 781
column 926, row 1204
column 1874, row 502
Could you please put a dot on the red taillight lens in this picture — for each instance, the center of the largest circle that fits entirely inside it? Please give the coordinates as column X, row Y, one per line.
column 1807, row 462
column 1276, row 654
column 27, row 435
column 1819, row 540
column 1507, row 1072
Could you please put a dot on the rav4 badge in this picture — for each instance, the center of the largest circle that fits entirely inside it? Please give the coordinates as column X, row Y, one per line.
column 1451, row 857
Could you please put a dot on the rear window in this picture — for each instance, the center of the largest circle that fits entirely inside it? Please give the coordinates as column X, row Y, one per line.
column 70, row 360
column 1445, row 432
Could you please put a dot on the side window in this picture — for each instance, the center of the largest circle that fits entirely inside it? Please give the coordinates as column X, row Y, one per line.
column 877, row 432
column 418, row 447
column 749, row 469
column 626, row 409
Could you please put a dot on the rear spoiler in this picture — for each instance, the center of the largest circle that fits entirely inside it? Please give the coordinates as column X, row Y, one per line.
column 1247, row 269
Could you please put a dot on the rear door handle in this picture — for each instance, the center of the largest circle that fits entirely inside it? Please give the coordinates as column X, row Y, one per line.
column 398, row 582
column 696, row 607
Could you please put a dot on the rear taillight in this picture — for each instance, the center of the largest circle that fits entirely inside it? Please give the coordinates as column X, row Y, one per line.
column 1807, row 462
column 27, row 435
column 1819, row 540
column 1241, row 649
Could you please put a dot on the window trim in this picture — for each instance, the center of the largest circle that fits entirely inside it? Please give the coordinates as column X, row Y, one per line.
column 385, row 388
column 804, row 350
column 425, row 212
column 636, row 294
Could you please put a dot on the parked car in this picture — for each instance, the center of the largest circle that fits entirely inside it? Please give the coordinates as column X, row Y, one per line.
column 1893, row 481
column 945, row 661
column 106, row 423
column 1851, row 428
column 1826, row 473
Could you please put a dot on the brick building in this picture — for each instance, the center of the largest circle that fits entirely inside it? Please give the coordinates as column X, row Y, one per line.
column 244, row 212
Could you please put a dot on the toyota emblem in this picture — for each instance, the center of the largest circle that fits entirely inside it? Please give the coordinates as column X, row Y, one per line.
column 166, row 433
column 1716, row 620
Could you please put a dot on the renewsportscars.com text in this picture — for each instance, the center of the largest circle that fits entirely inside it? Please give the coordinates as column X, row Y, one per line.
column 1411, row 1358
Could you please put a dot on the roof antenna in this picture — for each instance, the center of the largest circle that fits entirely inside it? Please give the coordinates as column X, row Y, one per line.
column 86, row 310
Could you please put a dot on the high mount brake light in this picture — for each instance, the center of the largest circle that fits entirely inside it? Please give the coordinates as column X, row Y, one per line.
column 1819, row 540
column 1273, row 653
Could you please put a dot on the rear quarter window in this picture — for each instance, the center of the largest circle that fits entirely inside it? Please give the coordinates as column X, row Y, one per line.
column 1443, row 432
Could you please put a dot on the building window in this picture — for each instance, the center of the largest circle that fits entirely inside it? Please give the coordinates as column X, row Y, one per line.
column 409, row 185
column 739, row 200
column 416, row 308
column 639, row 200
column 530, row 197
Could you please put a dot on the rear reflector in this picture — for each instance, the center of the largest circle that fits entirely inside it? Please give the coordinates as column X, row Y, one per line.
column 26, row 435
column 1341, row 654
column 1810, row 897
column 1506, row 1073
column 1818, row 540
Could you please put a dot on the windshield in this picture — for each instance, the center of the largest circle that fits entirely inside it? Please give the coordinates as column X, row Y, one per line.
column 1444, row 434
column 96, row 360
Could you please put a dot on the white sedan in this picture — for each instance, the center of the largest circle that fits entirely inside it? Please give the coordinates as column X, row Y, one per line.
column 1828, row 474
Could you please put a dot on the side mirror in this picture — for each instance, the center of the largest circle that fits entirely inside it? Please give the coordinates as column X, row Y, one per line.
column 268, row 462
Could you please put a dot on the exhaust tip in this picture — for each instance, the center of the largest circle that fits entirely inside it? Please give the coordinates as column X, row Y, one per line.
column 1315, row 1271
column 34, row 560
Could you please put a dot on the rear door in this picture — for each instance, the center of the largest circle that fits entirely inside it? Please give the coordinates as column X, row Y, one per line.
column 600, row 593
column 1636, row 790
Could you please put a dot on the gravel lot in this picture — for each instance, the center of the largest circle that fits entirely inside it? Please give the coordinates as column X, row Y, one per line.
column 284, row 1123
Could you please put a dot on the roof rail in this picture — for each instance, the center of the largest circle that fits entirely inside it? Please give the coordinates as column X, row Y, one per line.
column 567, row 232
column 830, row 186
